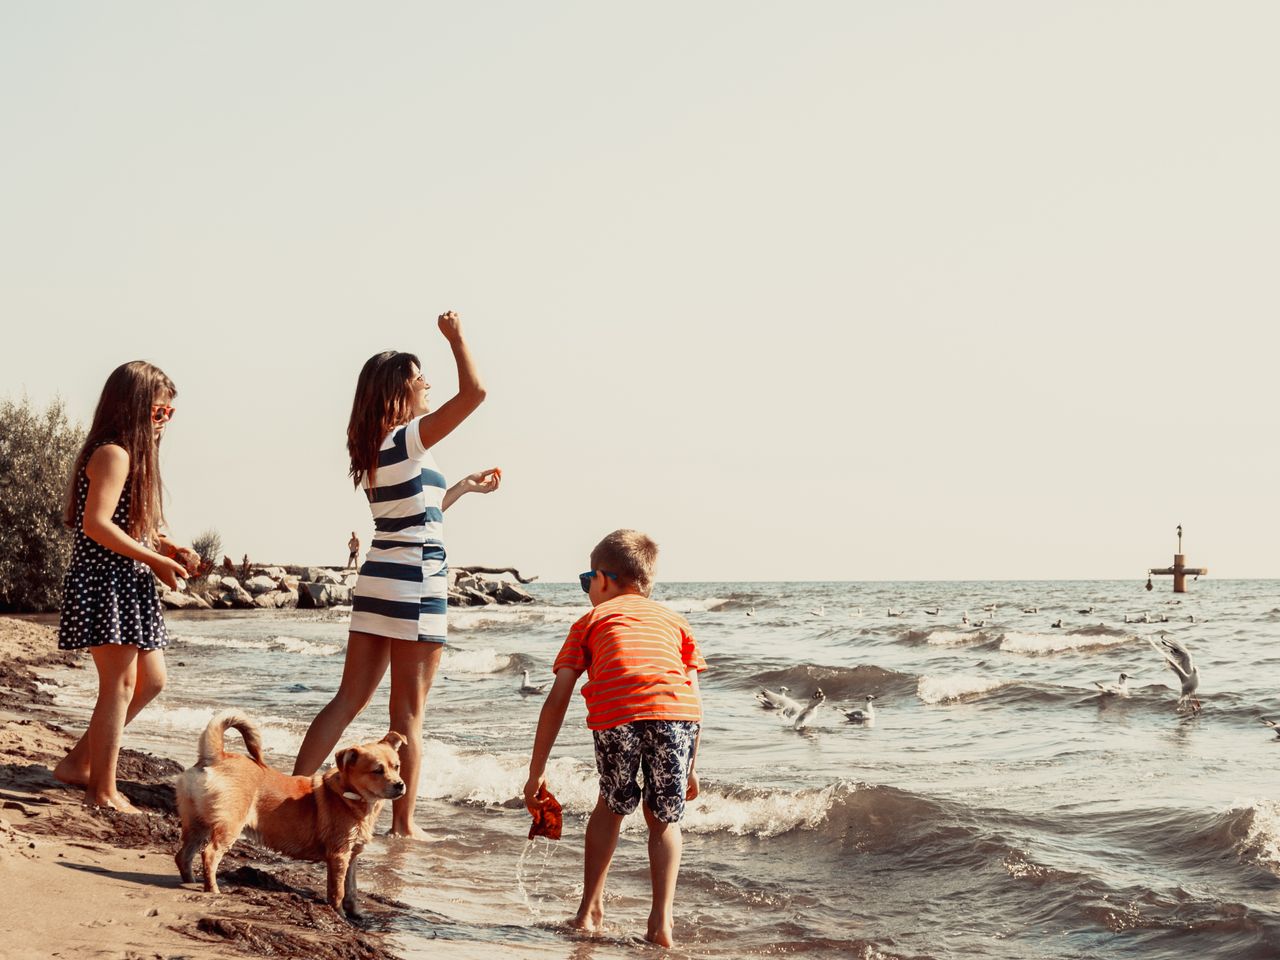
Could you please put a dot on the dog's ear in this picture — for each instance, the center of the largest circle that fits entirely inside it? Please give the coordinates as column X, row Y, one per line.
column 344, row 757
column 397, row 740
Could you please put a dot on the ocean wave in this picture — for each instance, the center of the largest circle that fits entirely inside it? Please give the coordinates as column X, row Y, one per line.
column 950, row 637
column 279, row 644
column 1260, row 822
column 956, row 687
column 1042, row 643
column 502, row 617
column 836, row 682
column 701, row 604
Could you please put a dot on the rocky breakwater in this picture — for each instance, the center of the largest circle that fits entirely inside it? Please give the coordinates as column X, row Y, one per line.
column 313, row 588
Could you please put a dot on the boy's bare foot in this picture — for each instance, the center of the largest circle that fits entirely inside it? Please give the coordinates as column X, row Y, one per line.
column 71, row 772
column 112, row 801
column 661, row 936
column 587, row 920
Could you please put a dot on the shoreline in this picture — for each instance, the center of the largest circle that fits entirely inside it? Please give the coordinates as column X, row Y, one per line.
column 101, row 883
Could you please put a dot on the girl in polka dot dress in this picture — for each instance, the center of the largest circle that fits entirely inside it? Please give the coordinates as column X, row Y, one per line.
column 109, row 602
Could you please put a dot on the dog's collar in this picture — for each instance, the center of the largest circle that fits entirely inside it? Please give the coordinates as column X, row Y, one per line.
column 352, row 795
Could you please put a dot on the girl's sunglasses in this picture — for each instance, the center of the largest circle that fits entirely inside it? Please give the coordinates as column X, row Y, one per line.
column 586, row 578
column 160, row 413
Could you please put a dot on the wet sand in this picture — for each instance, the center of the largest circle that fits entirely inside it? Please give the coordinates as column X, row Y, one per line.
column 87, row 882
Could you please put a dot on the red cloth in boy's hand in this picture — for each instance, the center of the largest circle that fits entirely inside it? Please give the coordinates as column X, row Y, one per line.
column 547, row 819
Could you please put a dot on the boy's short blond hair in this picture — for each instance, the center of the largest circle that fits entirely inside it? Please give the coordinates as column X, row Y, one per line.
column 630, row 555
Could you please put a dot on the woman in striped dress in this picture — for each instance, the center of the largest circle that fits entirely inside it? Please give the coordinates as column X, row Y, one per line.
column 398, row 611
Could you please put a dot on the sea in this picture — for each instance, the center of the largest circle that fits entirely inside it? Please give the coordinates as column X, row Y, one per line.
column 1000, row 805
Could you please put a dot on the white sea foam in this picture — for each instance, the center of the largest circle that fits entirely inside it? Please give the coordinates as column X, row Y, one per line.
column 483, row 661
column 1262, row 843
column 946, row 638
column 1039, row 643
column 185, row 724
column 956, row 687
column 452, row 773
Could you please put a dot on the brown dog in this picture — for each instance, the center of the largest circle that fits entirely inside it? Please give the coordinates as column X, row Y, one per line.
column 328, row 817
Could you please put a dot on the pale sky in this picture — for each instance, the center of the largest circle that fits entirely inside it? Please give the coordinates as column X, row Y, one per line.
column 836, row 291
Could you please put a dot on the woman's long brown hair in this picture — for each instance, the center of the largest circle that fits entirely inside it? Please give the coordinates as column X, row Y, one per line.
column 123, row 417
column 381, row 404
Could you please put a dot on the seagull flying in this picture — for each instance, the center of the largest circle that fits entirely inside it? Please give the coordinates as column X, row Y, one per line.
column 1180, row 662
column 776, row 701
column 809, row 709
column 1272, row 724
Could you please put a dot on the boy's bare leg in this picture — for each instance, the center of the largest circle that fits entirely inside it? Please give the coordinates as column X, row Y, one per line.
column 602, row 840
column 665, row 846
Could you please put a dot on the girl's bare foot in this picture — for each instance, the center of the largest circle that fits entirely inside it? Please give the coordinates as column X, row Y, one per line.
column 112, row 801
column 71, row 771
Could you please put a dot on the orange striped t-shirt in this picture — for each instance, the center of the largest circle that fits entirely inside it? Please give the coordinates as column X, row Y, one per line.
column 636, row 653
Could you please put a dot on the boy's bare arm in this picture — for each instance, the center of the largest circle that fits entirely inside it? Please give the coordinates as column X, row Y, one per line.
column 691, row 793
column 549, row 722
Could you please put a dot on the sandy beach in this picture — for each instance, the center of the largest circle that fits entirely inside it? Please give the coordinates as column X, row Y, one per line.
column 102, row 884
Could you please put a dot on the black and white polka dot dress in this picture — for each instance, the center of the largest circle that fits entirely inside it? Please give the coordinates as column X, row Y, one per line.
column 107, row 597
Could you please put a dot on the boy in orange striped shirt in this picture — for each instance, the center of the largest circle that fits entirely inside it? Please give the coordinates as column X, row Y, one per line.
column 644, row 711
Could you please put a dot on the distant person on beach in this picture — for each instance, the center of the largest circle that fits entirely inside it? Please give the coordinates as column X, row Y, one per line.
column 645, row 713
column 353, row 548
column 109, row 604
column 400, row 601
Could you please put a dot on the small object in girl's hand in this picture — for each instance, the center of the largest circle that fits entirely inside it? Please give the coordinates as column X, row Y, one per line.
column 547, row 819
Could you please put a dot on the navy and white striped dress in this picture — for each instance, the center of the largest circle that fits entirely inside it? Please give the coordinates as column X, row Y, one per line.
column 403, row 588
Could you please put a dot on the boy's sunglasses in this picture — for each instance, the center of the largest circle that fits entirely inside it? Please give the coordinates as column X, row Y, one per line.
column 586, row 578
column 160, row 413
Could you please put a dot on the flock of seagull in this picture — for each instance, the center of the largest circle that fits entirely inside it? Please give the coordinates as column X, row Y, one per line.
column 801, row 712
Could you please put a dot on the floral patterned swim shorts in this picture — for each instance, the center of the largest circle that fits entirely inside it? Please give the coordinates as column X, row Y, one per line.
column 662, row 750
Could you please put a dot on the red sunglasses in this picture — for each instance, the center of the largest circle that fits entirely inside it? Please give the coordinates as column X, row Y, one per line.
column 161, row 413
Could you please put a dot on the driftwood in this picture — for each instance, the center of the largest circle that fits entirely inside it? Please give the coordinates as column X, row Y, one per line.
column 511, row 570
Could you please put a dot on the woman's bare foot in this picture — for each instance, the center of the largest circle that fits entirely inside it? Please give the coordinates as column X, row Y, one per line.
column 414, row 832
column 660, row 935
column 112, row 801
column 588, row 920
column 72, row 771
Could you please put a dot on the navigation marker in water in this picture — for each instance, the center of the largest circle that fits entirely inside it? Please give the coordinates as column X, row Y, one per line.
column 1179, row 570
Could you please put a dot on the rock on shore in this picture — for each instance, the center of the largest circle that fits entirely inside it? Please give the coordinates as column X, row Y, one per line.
column 312, row 588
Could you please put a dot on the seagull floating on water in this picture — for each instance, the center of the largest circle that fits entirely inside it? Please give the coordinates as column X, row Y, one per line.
column 528, row 688
column 775, row 701
column 820, row 612
column 1086, row 612
column 1120, row 689
column 866, row 715
column 932, row 612
column 1272, row 724
column 809, row 709
column 855, row 612
column 751, row 612
column 893, row 613
column 1180, row 662
column 1056, row 625
column 1030, row 609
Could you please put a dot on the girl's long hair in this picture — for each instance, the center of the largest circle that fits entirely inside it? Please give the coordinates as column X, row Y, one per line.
column 123, row 417
column 382, row 402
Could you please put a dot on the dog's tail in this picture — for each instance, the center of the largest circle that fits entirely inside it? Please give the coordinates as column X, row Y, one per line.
column 211, row 750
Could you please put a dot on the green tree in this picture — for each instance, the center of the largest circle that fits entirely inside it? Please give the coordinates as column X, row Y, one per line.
column 37, row 450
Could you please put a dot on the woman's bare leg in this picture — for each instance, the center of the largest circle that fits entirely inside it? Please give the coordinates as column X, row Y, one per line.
column 413, row 669
column 117, row 665
column 367, row 659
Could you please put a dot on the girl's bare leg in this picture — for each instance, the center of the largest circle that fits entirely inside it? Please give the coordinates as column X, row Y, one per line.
column 149, row 679
column 117, row 665
column 413, row 670
column 367, row 658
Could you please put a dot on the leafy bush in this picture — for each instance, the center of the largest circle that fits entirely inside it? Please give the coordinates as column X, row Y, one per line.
column 209, row 546
column 37, row 450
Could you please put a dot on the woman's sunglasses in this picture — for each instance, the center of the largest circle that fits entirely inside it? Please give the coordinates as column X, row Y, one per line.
column 161, row 413
column 586, row 578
